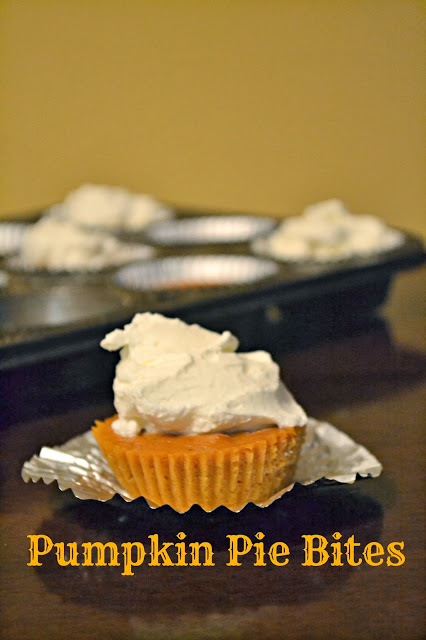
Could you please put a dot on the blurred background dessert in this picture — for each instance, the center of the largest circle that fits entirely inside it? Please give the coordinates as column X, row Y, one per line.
column 55, row 244
column 326, row 232
column 110, row 207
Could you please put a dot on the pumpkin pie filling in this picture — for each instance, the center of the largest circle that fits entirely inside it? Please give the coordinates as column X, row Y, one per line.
column 207, row 469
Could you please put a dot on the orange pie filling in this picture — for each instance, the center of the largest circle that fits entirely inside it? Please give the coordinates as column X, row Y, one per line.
column 211, row 470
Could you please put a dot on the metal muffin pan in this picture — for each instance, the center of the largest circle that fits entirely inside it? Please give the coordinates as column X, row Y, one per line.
column 57, row 306
column 210, row 230
column 258, row 299
column 194, row 271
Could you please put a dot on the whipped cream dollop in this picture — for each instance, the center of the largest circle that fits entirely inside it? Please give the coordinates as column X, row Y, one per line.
column 59, row 245
column 111, row 207
column 327, row 231
column 183, row 379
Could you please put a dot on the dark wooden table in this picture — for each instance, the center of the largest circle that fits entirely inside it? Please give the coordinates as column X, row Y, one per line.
column 370, row 383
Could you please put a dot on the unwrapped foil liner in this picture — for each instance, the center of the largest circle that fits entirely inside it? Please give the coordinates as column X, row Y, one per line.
column 209, row 230
column 327, row 455
column 201, row 270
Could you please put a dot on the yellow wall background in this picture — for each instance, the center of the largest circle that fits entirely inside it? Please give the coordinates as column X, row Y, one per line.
column 258, row 106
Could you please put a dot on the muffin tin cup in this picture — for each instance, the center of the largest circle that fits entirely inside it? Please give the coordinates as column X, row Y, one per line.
column 186, row 272
column 209, row 230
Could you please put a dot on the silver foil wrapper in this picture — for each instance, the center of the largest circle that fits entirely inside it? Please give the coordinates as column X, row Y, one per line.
column 209, row 230
column 328, row 455
column 11, row 236
column 201, row 270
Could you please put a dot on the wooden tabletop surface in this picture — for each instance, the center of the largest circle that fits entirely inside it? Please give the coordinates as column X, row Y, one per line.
column 370, row 383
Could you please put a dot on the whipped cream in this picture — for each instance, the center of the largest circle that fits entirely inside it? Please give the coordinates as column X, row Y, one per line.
column 111, row 207
column 59, row 245
column 327, row 231
column 183, row 379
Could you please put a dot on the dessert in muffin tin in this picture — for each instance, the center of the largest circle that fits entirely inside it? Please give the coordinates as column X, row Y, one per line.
column 57, row 245
column 328, row 232
column 111, row 207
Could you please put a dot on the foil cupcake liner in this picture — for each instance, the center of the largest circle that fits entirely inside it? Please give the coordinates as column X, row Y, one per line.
column 209, row 230
column 328, row 455
column 194, row 271
column 11, row 236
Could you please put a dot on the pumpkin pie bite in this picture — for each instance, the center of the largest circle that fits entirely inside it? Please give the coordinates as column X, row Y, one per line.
column 197, row 422
column 328, row 232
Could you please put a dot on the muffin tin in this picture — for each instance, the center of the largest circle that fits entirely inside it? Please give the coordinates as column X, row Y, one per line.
column 57, row 306
column 221, row 285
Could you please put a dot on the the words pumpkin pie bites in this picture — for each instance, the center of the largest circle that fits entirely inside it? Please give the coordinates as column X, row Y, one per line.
column 198, row 423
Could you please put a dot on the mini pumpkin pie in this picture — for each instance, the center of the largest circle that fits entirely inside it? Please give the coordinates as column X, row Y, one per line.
column 113, row 208
column 328, row 232
column 55, row 244
column 197, row 422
